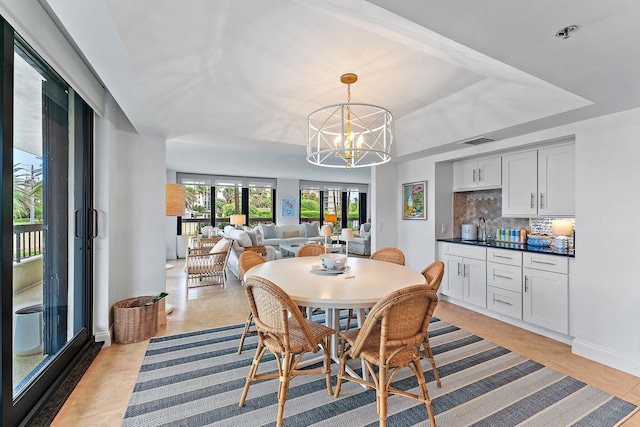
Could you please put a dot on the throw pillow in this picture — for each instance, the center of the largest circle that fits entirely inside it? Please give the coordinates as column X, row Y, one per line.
column 289, row 234
column 268, row 231
column 311, row 230
column 259, row 239
column 252, row 236
column 221, row 246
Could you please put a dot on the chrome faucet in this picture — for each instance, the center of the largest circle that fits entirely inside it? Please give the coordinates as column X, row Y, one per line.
column 484, row 229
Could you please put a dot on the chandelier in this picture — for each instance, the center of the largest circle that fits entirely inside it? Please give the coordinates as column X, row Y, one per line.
column 349, row 135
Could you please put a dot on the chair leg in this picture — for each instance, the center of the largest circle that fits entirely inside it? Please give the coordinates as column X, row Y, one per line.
column 423, row 389
column 341, row 369
column 382, row 395
column 247, row 326
column 349, row 317
column 429, row 356
column 283, row 389
column 252, row 371
column 327, row 363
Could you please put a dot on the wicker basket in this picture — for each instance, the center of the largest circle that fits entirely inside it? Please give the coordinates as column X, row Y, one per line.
column 135, row 321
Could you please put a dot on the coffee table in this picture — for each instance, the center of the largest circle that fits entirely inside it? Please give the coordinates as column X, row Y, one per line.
column 293, row 249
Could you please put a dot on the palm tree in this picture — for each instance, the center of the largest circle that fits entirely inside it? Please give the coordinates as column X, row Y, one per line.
column 27, row 190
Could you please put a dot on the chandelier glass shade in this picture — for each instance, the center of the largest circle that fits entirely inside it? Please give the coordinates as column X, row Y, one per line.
column 349, row 135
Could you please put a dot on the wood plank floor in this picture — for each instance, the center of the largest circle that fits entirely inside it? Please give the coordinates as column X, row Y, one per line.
column 101, row 397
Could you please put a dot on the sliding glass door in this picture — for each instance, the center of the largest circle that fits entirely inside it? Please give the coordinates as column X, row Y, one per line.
column 47, row 167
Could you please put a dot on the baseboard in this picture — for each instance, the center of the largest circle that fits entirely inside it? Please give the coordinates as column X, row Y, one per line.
column 104, row 337
column 607, row 357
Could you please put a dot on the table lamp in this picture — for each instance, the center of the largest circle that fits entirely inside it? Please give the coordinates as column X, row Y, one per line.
column 562, row 228
column 237, row 220
column 347, row 236
column 325, row 231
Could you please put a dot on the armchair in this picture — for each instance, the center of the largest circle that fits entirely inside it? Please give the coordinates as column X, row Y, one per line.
column 361, row 245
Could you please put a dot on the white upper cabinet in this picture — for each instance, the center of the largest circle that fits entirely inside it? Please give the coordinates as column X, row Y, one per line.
column 477, row 174
column 556, row 181
column 539, row 183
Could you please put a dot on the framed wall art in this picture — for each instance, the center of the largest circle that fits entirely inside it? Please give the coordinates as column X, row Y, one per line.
column 414, row 200
column 288, row 207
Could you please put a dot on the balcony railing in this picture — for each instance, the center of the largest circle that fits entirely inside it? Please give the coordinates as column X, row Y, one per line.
column 28, row 241
column 192, row 226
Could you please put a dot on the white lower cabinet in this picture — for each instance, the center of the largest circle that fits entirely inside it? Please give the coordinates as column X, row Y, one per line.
column 546, row 299
column 545, row 296
column 524, row 285
column 505, row 302
column 465, row 273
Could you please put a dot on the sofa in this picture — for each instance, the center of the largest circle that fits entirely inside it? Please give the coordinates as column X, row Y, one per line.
column 361, row 245
column 246, row 240
column 276, row 235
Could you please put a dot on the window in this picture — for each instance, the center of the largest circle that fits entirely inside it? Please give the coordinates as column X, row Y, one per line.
column 260, row 206
column 310, row 206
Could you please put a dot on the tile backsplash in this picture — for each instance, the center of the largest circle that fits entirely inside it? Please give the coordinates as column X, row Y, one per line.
column 469, row 207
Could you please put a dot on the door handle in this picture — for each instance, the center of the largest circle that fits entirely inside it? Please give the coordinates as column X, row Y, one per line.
column 526, row 288
column 464, row 270
column 76, row 223
column 479, row 174
column 533, row 198
column 458, row 269
column 94, row 223
column 474, row 175
column 541, row 201
column 502, row 277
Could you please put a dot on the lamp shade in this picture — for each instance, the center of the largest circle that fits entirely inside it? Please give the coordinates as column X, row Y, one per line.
column 237, row 219
column 346, row 235
column 331, row 217
column 325, row 231
column 176, row 196
column 562, row 227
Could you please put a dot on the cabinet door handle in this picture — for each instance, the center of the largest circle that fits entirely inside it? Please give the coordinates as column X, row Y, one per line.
column 542, row 262
column 464, row 270
column 533, row 198
column 500, row 301
column 459, row 269
column 541, row 201
column 479, row 174
column 502, row 277
column 474, row 175
column 526, row 280
column 502, row 256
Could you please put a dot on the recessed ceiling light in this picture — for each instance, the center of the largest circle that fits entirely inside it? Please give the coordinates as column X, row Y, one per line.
column 566, row 31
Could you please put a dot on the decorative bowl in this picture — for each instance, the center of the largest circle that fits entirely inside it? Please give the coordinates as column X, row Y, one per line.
column 539, row 241
column 333, row 261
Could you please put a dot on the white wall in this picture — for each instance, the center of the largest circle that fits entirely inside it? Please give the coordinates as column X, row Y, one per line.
column 385, row 205
column 604, row 299
column 129, row 196
column 289, row 188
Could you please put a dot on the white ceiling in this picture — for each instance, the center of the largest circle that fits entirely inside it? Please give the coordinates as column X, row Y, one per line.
column 244, row 74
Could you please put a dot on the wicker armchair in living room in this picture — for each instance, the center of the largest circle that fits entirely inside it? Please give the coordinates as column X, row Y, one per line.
column 207, row 265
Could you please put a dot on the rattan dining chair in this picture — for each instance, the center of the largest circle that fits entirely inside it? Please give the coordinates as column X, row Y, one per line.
column 389, row 254
column 312, row 249
column 433, row 273
column 287, row 335
column 390, row 338
column 246, row 260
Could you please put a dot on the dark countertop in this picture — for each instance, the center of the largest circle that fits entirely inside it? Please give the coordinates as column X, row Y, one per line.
column 523, row 247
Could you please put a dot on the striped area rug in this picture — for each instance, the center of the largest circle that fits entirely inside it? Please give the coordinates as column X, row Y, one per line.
column 195, row 379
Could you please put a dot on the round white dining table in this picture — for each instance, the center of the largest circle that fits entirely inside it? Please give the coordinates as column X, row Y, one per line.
column 366, row 282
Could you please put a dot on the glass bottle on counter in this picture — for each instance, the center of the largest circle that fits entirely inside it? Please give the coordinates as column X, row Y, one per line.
column 523, row 236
